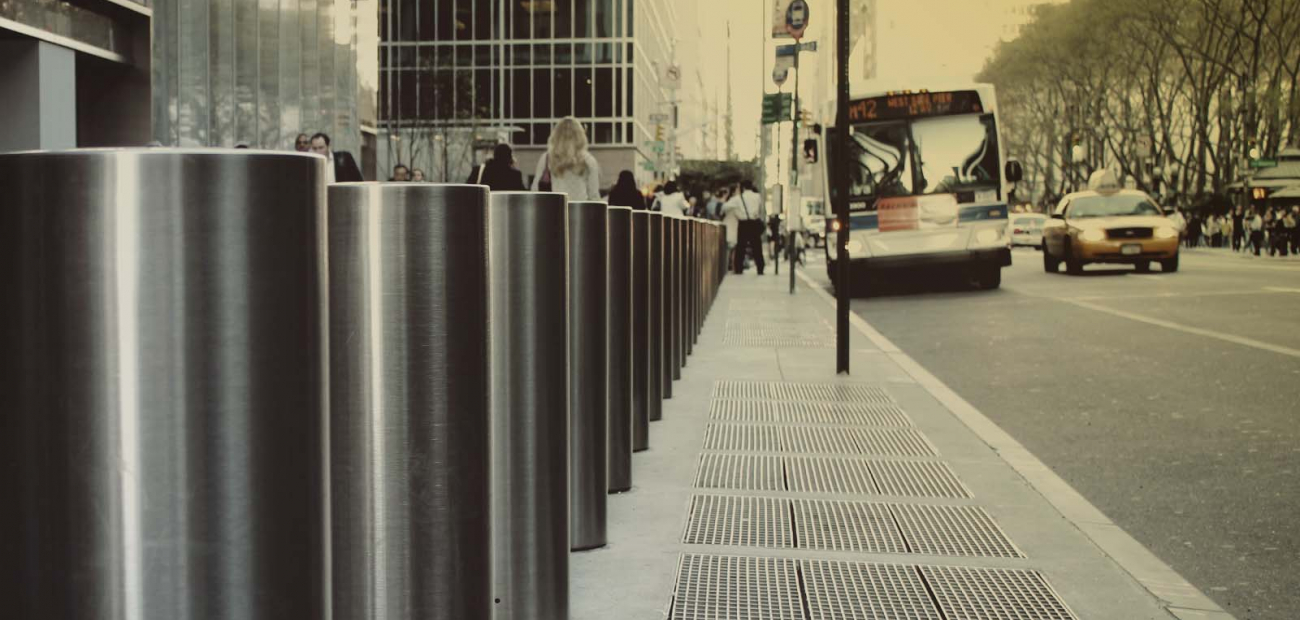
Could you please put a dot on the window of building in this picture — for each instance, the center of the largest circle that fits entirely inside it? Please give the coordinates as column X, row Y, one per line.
column 604, row 89
column 582, row 91
column 542, row 55
column 618, row 91
column 543, row 20
column 437, row 20
column 582, row 53
column 464, row 19
column 564, row 53
column 604, row 133
column 618, row 133
column 521, row 24
column 542, row 93
column 563, row 18
column 484, row 18
column 542, row 133
column 520, row 94
column 604, row 18
column 604, row 53
column 483, row 93
column 521, row 55
column 428, row 56
column 563, row 93
column 582, row 18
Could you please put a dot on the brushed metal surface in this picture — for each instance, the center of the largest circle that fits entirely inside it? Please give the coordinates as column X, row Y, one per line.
column 409, row 401
column 641, row 311
column 655, row 344
column 620, row 349
column 661, row 330
column 673, row 294
column 163, row 365
column 588, row 374
column 684, row 287
column 528, row 274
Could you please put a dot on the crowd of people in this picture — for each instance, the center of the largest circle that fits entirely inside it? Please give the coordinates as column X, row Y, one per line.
column 1254, row 230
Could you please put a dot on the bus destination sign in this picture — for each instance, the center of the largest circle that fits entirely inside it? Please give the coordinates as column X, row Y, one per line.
column 914, row 105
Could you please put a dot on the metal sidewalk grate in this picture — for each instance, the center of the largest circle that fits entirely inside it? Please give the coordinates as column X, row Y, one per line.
column 855, row 441
column 715, row 587
column 843, row 414
column 847, row 526
column 953, row 530
column 741, row 438
column 860, row 591
column 917, row 479
column 819, row 474
column 818, row 440
column 740, row 471
column 816, row 392
column 739, row 521
column 780, row 337
column 979, row 593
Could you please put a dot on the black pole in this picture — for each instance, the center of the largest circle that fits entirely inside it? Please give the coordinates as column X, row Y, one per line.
column 842, row 284
column 794, row 169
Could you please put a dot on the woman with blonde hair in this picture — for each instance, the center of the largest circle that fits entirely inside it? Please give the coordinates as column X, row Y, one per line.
column 567, row 165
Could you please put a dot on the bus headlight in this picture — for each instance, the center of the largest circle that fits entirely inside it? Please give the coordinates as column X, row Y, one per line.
column 854, row 246
column 1092, row 234
column 988, row 236
column 1166, row 232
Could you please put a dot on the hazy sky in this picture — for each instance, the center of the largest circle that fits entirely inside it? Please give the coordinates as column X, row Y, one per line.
column 916, row 37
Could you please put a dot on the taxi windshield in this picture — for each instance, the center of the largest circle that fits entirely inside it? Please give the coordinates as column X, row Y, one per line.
column 1114, row 205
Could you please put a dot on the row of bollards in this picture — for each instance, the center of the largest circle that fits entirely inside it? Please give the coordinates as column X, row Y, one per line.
column 233, row 393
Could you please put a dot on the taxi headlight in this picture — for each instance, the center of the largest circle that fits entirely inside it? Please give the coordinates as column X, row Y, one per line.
column 1166, row 232
column 1094, row 234
column 988, row 236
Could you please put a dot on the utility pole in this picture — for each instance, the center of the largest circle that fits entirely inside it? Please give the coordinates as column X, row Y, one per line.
column 841, row 180
column 731, row 136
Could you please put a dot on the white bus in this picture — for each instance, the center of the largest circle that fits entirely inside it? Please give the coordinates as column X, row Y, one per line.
column 927, row 187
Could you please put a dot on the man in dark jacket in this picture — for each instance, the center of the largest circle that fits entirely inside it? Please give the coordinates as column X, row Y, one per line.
column 499, row 173
column 343, row 168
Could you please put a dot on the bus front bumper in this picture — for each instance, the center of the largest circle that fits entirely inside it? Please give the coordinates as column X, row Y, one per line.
column 987, row 257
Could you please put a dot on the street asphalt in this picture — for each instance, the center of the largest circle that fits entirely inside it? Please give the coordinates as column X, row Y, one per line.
column 1170, row 401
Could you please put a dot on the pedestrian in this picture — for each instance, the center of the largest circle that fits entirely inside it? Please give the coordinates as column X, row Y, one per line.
column 401, row 174
column 342, row 167
column 1238, row 228
column 672, row 203
column 747, row 206
column 302, row 143
column 499, row 173
column 1295, row 229
column 417, row 176
column 625, row 193
column 1256, row 225
column 1287, row 232
column 1216, row 231
column 567, row 165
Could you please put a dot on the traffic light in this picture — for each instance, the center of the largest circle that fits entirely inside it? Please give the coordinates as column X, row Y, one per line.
column 659, row 133
column 810, row 150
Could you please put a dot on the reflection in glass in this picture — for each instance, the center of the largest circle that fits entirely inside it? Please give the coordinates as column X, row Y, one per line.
column 955, row 153
column 582, row 92
column 878, row 161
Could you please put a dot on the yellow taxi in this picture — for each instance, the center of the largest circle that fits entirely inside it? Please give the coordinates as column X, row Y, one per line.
column 1107, row 224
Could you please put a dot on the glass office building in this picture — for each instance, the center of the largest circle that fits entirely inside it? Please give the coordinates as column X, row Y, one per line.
column 458, row 75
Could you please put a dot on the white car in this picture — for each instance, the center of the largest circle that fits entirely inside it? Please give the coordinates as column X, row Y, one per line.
column 1026, row 229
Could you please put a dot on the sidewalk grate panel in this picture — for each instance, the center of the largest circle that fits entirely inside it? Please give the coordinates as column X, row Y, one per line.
column 816, row 392
column 819, row 474
column 775, row 341
column 739, row 521
column 893, row 442
column 954, row 531
column 715, row 587
column 847, row 526
column 809, row 413
column 740, row 471
column 979, row 593
column 861, row 591
column 818, row 440
column 741, row 438
column 917, row 479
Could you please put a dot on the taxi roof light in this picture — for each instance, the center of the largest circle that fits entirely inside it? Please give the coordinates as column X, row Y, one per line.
column 1103, row 182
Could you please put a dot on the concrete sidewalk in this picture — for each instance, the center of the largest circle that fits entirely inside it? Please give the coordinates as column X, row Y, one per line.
column 775, row 489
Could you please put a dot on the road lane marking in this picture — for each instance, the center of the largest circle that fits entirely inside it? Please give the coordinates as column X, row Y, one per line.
column 1267, row 290
column 1281, row 289
column 1247, row 342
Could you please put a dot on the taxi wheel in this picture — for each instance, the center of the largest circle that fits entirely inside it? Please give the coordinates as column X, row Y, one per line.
column 1050, row 264
column 1073, row 266
column 1169, row 265
column 1143, row 266
column 989, row 278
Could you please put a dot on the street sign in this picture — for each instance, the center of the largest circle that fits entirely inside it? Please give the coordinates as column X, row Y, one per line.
column 659, row 118
column 778, row 19
column 1144, row 146
column 1256, row 164
column 810, row 46
column 672, row 77
column 796, row 18
column 788, row 51
column 777, row 108
column 779, row 75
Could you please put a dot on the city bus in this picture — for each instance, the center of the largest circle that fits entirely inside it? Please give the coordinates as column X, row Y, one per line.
column 927, row 183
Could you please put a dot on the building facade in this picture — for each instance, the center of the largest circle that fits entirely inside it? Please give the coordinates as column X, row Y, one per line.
column 258, row 72
column 457, row 76
column 74, row 73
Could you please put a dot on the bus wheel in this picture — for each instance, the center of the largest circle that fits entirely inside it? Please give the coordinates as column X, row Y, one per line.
column 989, row 278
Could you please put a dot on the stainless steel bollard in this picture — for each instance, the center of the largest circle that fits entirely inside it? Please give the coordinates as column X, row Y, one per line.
column 163, row 365
column 588, row 374
column 641, row 311
column 672, row 281
column 689, row 272
column 667, row 352
column 410, row 444
column 657, row 392
column 620, row 349
column 683, row 347
column 528, row 244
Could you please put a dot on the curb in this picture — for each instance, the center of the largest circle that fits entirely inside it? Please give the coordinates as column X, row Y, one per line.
column 1181, row 598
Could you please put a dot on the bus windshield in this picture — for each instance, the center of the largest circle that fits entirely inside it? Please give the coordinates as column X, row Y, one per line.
column 955, row 153
column 941, row 155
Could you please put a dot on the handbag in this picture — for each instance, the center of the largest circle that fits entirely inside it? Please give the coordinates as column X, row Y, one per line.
column 544, row 185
